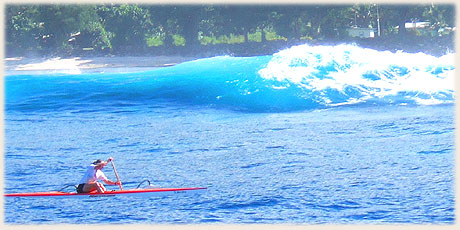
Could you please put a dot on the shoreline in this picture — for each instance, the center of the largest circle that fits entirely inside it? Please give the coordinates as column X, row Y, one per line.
column 89, row 64
column 99, row 63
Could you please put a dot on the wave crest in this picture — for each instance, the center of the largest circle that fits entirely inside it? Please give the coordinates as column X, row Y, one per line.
column 298, row 78
column 347, row 74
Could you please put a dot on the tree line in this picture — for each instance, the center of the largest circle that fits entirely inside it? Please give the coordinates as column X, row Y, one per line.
column 118, row 28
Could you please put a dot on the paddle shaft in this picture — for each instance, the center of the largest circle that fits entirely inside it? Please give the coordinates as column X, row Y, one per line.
column 116, row 174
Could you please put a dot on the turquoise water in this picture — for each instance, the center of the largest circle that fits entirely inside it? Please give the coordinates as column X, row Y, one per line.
column 308, row 135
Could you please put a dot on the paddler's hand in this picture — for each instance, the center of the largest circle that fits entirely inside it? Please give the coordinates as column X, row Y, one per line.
column 110, row 159
column 118, row 183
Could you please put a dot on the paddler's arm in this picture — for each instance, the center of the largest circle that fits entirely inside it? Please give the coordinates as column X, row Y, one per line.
column 109, row 182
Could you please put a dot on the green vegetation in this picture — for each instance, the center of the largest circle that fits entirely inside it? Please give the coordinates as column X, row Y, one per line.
column 131, row 28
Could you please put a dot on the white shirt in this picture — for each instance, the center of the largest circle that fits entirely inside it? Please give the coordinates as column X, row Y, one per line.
column 92, row 175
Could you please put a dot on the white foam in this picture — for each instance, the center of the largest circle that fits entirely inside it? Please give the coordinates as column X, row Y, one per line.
column 317, row 68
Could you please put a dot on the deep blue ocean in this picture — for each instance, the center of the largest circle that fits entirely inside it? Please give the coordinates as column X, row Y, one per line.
column 309, row 135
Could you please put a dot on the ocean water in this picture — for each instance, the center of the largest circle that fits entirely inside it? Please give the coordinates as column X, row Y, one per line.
column 309, row 135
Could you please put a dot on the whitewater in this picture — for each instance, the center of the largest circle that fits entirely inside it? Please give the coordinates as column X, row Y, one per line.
column 311, row 134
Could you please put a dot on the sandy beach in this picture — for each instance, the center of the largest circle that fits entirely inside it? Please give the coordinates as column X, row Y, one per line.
column 89, row 64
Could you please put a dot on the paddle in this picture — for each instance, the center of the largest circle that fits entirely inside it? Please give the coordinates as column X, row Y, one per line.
column 116, row 174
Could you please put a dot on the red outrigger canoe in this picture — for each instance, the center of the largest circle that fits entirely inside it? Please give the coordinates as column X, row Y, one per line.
column 136, row 192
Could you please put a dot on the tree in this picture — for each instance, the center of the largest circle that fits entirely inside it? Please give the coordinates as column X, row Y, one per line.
column 126, row 27
column 129, row 24
column 161, row 18
column 338, row 19
column 91, row 31
column 51, row 27
column 22, row 27
column 440, row 15
column 59, row 22
column 398, row 15
column 189, row 18
column 182, row 20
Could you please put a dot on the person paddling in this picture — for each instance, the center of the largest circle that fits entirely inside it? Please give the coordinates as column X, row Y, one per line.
column 94, row 172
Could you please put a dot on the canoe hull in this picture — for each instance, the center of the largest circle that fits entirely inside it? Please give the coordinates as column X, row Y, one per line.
column 130, row 192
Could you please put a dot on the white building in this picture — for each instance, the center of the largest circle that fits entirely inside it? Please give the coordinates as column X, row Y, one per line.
column 361, row 32
column 416, row 25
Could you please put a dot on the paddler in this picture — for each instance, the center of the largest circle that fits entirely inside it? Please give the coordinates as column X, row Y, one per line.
column 94, row 172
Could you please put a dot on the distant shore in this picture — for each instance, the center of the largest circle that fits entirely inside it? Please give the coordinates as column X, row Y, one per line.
column 161, row 57
column 89, row 64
